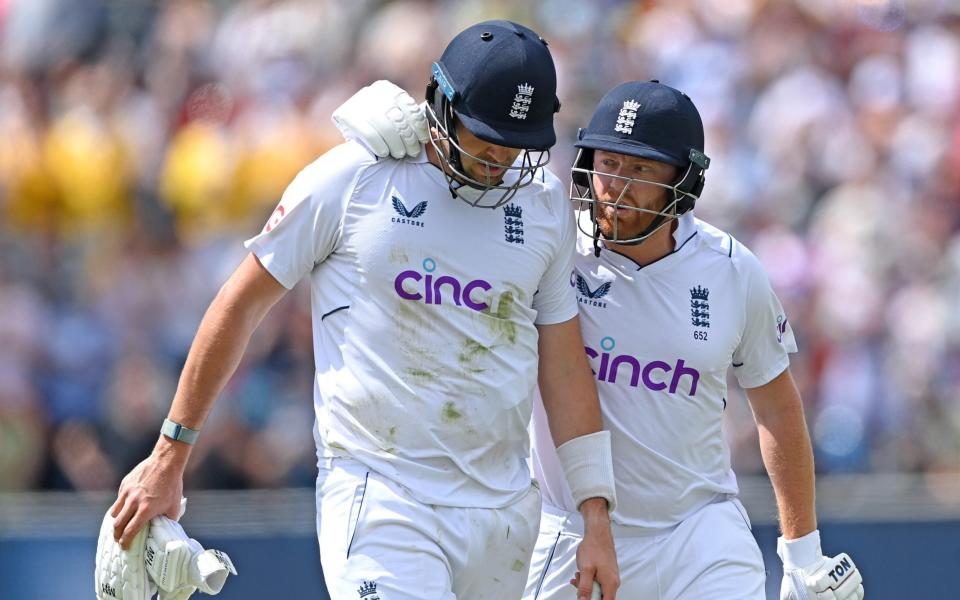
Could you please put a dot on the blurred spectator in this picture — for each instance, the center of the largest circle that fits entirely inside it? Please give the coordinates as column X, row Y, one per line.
column 141, row 142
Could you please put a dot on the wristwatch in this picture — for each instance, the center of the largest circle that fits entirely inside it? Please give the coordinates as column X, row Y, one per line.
column 176, row 431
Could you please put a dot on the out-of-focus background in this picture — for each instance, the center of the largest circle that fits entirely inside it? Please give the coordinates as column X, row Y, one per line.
column 142, row 141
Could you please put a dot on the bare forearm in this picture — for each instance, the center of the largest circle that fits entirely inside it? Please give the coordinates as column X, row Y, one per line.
column 566, row 383
column 571, row 414
column 789, row 461
column 218, row 347
column 214, row 356
column 788, row 457
column 573, row 411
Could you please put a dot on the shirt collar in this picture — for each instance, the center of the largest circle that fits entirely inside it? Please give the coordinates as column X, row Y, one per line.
column 686, row 226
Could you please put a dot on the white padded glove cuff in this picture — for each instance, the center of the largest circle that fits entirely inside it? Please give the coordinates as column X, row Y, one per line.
column 209, row 570
column 588, row 465
column 800, row 553
column 178, row 563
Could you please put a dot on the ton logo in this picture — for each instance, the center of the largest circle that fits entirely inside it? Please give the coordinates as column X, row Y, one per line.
column 841, row 569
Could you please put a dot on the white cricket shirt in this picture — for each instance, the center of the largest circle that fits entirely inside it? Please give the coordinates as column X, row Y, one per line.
column 660, row 340
column 423, row 317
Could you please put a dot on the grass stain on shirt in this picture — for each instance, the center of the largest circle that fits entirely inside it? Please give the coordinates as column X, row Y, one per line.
column 450, row 414
column 471, row 352
column 501, row 322
column 421, row 375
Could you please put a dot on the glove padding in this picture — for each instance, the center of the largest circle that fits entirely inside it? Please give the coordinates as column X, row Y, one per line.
column 179, row 565
column 385, row 119
column 808, row 575
column 121, row 574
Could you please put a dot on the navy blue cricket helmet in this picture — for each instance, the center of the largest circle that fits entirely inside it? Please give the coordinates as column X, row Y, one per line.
column 645, row 119
column 497, row 78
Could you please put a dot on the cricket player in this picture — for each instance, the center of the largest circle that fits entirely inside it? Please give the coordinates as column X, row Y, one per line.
column 668, row 304
column 440, row 294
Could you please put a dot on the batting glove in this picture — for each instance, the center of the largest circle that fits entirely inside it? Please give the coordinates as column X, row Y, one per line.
column 121, row 574
column 179, row 565
column 808, row 575
column 385, row 119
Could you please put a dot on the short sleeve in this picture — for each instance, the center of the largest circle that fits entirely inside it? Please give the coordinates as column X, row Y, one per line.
column 304, row 229
column 767, row 338
column 555, row 301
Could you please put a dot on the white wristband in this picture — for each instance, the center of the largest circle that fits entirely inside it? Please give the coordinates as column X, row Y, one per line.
column 801, row 552
column 588, row 464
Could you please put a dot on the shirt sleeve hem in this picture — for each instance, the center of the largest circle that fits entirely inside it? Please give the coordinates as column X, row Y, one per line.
column 285, row 279
column 766, row 376
column 553, row 318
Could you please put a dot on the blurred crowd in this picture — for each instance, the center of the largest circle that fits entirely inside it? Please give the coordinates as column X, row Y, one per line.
column 141, row 142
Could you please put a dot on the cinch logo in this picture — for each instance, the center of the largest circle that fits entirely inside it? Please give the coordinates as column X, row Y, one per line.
column 434, row 287
column 781, row 327
column 654, row 375
column 588, row 296
column 408, row 216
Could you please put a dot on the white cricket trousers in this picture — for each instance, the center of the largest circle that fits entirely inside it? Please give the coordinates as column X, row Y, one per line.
column 377, row 539
column 711, row 555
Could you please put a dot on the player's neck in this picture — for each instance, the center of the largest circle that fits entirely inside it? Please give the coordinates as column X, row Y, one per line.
column 655, row 247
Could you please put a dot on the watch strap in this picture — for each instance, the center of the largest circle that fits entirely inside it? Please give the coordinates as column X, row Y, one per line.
column 176, row 431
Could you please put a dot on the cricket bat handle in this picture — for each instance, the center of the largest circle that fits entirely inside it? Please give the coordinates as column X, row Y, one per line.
column 595, row 595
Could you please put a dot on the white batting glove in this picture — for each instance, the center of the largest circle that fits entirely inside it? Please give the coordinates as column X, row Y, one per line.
column 121, row 574
column 384, row 118
column 179, row 565
column 809, row 575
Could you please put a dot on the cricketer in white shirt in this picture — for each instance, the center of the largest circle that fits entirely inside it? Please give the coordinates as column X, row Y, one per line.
column 439, row 296
column 668, row 305
column 425, row 312
column 425, row 337
column 660, row 340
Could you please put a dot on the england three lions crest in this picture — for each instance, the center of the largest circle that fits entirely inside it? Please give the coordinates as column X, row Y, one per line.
column 368, row 591
column 513, row 224
column 700, row 307
column 627, row 117
column 522, row 101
